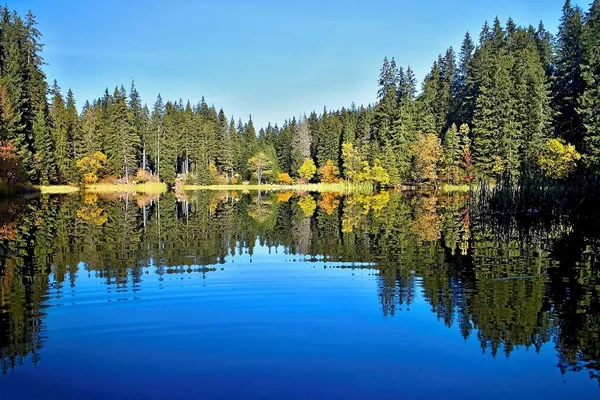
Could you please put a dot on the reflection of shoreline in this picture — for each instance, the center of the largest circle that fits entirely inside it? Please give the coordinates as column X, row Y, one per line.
column 469, row 267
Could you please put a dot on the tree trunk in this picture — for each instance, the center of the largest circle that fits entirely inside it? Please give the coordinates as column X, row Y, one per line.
column 144, row 156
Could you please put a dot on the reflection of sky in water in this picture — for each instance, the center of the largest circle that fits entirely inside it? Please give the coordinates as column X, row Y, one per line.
column 270, row 325
column 279, row 325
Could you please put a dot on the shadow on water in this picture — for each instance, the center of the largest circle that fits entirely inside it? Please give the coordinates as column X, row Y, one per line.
column 507, row 281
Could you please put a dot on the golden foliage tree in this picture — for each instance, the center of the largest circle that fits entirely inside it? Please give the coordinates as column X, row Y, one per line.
column 307, row 170
column 284, row 178
column 91, row 167
column 427, row 152
column 558, row 159
column 329, row 173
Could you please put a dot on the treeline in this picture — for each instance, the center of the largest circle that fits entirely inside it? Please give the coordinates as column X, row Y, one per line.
column 516, row 102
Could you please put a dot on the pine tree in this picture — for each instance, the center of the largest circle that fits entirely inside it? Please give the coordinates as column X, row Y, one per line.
column 139, row 123
column 462, row 103
column 60, row 134
column 568, row 83
column 330, row 135
column 168, row 145
column 122, row 142
column 589, row 103
column 76, row 142
column 452, row 154
column 90, row 127
column 495, row 136
column 157, row 134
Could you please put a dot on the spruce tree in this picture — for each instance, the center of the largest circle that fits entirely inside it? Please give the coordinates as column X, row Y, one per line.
column 76, row 143
column 462, row 100
column 60, row 134
column 589, row 103
column 568, row 83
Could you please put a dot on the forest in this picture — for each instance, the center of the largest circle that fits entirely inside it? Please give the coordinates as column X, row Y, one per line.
column 516, row 101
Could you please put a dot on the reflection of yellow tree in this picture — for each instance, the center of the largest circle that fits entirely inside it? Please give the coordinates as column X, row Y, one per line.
column 90, row 211
column 329, row 202
column 284, row 196
column 260, row 209
column 427, row 224
column 308, row 205
column 357, row 207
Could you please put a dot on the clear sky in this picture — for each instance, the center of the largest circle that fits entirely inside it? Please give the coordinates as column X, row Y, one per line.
column 270, row 58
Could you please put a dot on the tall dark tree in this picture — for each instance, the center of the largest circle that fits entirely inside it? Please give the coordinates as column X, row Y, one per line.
column 589, row 103
column 568, row 83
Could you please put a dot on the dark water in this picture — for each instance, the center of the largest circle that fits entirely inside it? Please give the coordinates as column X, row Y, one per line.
column 231, row 296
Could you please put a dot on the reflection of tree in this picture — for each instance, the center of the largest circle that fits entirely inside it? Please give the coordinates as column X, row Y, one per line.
column 284, row 196
column 90, row 211
column 330, row 201
column 427, row 223
column 514, row 282
column 308, row 205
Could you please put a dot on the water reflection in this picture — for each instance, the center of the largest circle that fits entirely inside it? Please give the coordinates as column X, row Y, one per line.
column 508, row 282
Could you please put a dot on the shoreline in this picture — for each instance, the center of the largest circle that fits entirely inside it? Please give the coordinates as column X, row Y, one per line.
column 158, row 188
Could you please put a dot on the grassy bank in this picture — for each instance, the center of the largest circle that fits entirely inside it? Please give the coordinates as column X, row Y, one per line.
column 150, row 187
column 58, row 189
column 309, row 187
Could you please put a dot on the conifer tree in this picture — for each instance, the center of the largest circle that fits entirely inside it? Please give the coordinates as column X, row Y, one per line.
column 589, row 103
column 76, row 143
column 568, row 83
column 60, row 134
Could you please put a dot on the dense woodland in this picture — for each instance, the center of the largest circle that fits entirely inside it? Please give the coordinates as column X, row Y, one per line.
column 515, row 101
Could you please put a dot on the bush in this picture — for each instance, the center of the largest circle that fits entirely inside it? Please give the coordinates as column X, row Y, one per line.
column 284, row 179
column 143, row 176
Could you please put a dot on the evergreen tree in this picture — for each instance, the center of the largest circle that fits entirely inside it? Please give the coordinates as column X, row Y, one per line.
column 568, row 83
column 122, row 141
column 589, row 103
column 60, row 134
column 462, row 105
column 76, row 144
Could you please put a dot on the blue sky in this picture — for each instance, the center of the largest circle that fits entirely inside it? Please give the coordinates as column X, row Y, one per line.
column 272, row 59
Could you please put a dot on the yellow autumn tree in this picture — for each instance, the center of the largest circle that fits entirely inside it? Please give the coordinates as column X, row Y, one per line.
column 90, row 167
column 329, row 172
column 284, row 178
column 307, row 170
column 558, row 159
column 427, row 152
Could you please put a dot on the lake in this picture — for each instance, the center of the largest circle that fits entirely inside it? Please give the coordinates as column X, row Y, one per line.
column 274, row 295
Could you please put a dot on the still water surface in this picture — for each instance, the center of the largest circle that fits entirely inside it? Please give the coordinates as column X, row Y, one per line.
column 284, row 295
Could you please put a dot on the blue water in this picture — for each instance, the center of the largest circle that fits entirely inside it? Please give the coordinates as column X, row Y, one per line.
column 268, row 326
column 270, row 323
